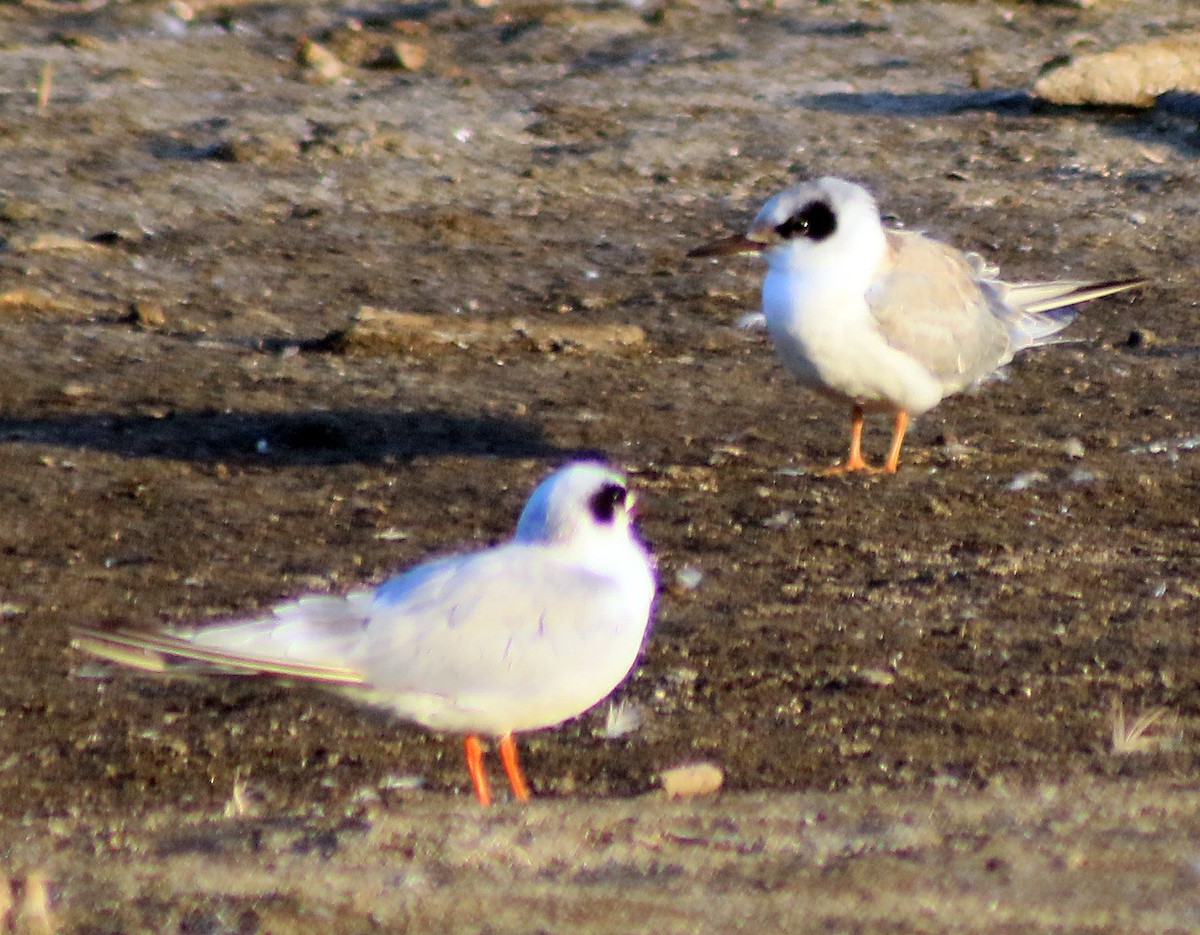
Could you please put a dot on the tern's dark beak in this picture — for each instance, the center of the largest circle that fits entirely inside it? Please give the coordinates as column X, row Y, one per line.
column 726, row 246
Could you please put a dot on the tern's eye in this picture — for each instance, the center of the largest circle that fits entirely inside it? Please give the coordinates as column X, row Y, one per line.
column 815, row 220
column 605, row 501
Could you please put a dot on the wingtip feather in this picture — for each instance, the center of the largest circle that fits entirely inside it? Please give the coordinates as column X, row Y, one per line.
column 1038, row 298
column 164, row 653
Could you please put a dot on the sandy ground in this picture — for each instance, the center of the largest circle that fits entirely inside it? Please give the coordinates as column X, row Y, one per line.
column 909, row 682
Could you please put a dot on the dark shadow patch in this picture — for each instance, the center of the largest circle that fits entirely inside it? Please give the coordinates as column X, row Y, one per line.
column 285, row 438
column 256, row 836
column 1172, row 120
column 621, row 53
column 828, row 28
column 924, row 104
column 1179, row 103
column 385, row 14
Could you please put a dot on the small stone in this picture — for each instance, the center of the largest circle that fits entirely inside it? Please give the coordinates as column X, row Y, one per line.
column 16, row 210
column 382, row 331
column 79, row 40
column 1073, row 448
column 76, row 390
column 318, row 62
column 58, row 242
column 146, row 314
column 877, row 677
column 691, row 779
column 689, row 577
column 403, row 55
column 39, row 301
column 1141, row 337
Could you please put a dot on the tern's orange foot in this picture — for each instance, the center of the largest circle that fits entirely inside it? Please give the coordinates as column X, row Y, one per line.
column 850, row 466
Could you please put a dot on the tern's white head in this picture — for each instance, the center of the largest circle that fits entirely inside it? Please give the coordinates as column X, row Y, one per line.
column 581, row 504
column 827, row 225
column 824, row 224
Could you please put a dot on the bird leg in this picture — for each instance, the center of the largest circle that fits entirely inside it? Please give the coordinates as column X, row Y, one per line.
column 854, row 461
column 475, row 767
column 899, row 427
column 512, row 767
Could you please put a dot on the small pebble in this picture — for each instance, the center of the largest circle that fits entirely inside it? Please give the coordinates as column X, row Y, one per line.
column 76, row 390
column 318, row 62
column 1141, row 337
column 691, row 779
column 402, row 55
column 879, row 677
column 146, row 314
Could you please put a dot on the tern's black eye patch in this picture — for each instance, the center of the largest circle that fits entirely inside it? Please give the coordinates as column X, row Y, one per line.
column 605, row 501
column 815, row 220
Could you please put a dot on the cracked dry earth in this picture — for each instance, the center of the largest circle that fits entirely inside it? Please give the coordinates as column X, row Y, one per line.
column 909, row 682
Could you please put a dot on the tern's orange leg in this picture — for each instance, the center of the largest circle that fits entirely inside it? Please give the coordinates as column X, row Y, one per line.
column 512, row 767
column 899, row 428
column 854, row 461
column 475, row 767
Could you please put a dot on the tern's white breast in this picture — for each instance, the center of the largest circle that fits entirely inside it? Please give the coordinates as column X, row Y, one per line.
column 824, row 331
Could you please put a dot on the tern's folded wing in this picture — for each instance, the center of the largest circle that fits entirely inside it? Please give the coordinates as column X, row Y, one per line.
column 512, row 623
column 312, row 638
column 928, row 304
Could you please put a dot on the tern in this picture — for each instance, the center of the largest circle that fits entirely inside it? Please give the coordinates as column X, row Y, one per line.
column 889, row 320
column 518, row 637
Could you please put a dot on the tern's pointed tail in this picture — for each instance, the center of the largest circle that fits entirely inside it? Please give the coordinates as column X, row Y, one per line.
column 1042, row 309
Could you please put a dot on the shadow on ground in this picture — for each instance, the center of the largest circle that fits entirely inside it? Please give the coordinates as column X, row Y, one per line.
column 286, row 438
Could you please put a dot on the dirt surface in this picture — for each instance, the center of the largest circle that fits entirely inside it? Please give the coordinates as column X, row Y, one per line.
column 908, row 681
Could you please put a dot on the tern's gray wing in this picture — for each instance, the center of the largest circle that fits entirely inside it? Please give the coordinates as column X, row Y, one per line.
column 515, row 626
column 311, row 639
column 928, row 303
